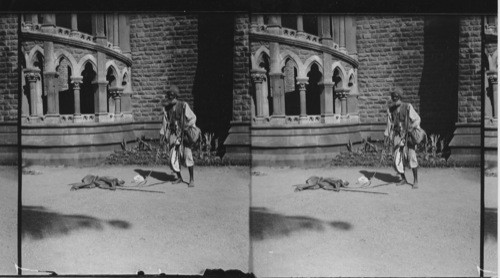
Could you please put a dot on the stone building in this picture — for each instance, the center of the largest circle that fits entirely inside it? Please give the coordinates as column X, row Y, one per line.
column 300, row 86
column 8, row 89
column 320, row 82
column 93, row 81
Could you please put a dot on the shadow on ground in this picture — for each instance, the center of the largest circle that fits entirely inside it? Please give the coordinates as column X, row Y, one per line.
column 161, row 176
column 380, row 176
column 490, row 223
column 38, row 223
column 265, row 224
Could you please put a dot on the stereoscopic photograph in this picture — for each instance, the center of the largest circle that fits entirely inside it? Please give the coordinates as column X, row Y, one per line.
column 135, row 156
column 366, row 144
column 262, row 144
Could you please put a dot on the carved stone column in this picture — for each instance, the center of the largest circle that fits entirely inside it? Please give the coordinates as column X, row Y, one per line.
column 116, row 43
column 493, row 80
column 49, row 23
column 326, row 100
column 258, row 78
column 34, row 19
column 124, row 34
column 326, row 97
column 50, row 81
column 27, row 21
column 260, row 19
column 350, row 29
column 33, row 75
column 25, row 107
column 115, row 104
column 274, row 25
column 342, row 34
column 100, row 95
column 76, row 91
column 98, row 29
column 336, row 29
column 324, row 28
column 277, row 84
column 74, row 25
column 302, row 82
column 300, row 27
column 342, row 94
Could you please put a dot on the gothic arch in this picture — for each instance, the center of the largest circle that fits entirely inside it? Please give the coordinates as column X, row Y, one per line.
column 352, row 77
column 309, row 62
column 287, row 54
column 124, row 75
column 61, row 53
column 257, row 56
column 81, row 65
column 32, row 56
column 342, row 73
column 116, row 72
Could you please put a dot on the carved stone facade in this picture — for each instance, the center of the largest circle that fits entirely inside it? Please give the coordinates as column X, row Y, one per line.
column 344, row 71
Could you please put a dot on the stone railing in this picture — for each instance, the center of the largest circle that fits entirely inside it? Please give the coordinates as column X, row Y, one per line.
column 70, row 119
column 294, row 34
column 63, row 33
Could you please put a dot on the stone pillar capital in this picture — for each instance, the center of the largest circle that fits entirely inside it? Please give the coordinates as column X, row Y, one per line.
column 76, row 79
column 32, row 75
column 116, row 91
column 258, row 76
column 492, row 76
column 303, row 80
column 342, row 92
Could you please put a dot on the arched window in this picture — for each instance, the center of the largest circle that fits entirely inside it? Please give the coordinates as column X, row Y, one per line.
column 266, row 85
column 40, row 92
column 313, row 91
column 292, row 96
column 66, row 96
column 87, row 89
column 337, row 80
column 111, row 78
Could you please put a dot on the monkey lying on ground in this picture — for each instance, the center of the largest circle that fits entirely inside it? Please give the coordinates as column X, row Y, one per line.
column 325, row 183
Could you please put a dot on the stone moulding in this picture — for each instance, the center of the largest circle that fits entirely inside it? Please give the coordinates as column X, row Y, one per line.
column 304, row 44
column 37, row 36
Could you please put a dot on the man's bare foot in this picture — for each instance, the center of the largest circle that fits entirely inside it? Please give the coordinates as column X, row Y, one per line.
column 191, row 184
column 415, row 185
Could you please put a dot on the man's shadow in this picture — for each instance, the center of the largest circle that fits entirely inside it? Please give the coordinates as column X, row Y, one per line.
column 388, row 178
column 161, row 176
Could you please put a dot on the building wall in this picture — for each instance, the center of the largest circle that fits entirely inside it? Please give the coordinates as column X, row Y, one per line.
column 469, row 86
column 8, row 68
column 420, row 55
column 241, row 65
column 164, row 52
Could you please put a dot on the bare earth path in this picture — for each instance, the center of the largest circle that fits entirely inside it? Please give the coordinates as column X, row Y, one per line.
column 185, row 230
column 491, row 225
column 8, row 220
column 432, row 231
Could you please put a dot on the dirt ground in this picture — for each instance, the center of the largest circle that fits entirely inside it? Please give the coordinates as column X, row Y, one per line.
column 8, row 220
column 431, row 231
column 184, row 231
column 491, row 226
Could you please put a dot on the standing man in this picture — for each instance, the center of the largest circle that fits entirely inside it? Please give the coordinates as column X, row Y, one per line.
column 401, row 120
column 177, row 119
